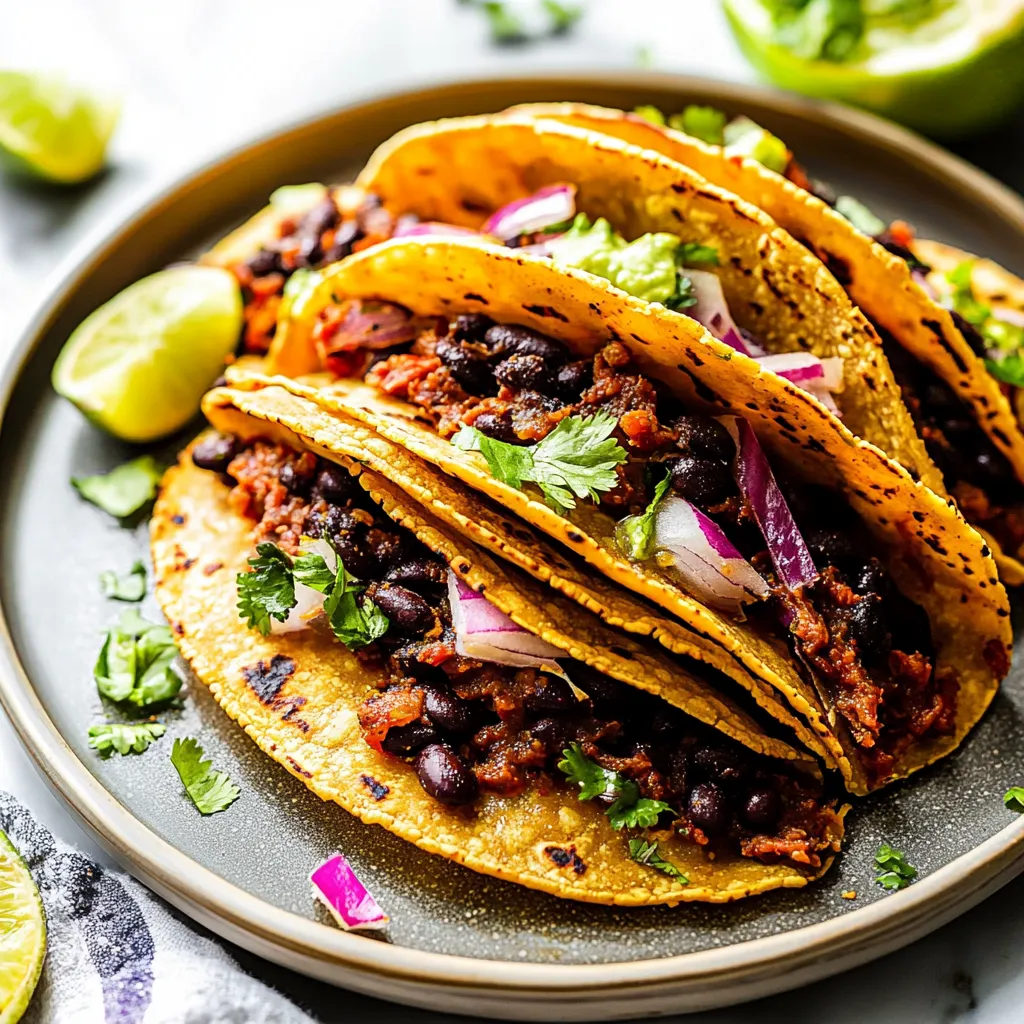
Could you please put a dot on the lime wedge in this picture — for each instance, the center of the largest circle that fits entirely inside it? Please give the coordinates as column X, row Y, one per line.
column 139, row 365
column 50, row 130
column 944, row 67
column 22, row 934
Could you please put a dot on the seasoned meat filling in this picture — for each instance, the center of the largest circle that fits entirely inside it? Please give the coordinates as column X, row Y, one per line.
column 467, row 726
column 865, row 641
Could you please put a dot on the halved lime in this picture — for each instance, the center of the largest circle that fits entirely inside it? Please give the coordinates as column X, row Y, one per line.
column 22, row 934
column 51, row 130
column 944, row 67
column 139, row 365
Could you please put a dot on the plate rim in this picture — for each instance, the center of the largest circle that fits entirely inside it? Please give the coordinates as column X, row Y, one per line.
column 748, row 969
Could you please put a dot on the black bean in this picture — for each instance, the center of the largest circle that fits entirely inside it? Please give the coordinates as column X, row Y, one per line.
column 704, row 437
column 708, row 809
column 867, row 626
column 720, row 764
column 702, row 481
column 762, row 808
column 469, row 368
column 266, row 261
column 215, row 453
column 606, row 694
column 295, row 477
column 407, row 612
column 471, row 327
column 939, row 399
column 334, row 484
column 345, row 234
column 498, row 425
column 512, row 340
column 404, row 740
column 871, row 578
column 323, row 216
column 525, row 373
column 448, row 712
column 553, row 694
column 405, row 661
column 573, row 379
column 385, row 548
column 831, row 547
column 445, row 776
column 551, row 732
column 421, row 574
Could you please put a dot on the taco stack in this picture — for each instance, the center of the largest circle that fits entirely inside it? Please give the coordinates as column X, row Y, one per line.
column 956, row 356
column 517, row 378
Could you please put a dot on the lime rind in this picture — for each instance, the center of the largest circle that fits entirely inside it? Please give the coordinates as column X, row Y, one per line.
column 22, row 934
column 51, row 130
column 966, row 81
column 139, row 365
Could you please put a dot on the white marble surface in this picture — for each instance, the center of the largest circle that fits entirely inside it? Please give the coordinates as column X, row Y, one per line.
column 200, row 75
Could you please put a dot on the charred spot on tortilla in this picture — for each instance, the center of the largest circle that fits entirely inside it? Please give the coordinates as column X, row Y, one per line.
column 267, row 677
column 212, row 567
column 566, row 858
column 297, row 768
column 377, row 789
column 474, row 297
column 548, row 312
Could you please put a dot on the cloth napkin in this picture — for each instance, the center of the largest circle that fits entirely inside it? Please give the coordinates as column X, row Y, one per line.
column 117, row 954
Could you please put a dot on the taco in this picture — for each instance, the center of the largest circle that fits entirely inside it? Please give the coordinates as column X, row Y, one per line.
column 630, row 435
column 935, row 334
column 460, row 705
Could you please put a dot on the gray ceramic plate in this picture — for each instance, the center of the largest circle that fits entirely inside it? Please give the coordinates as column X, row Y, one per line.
column 457, row 941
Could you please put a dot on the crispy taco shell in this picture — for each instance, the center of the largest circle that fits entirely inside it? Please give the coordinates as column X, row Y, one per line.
column 936, row 558
column 460, row 170
column 878, row 281
column 297, row 694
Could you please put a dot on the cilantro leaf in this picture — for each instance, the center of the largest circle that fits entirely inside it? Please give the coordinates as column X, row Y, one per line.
column 129, row 587
column 1013, row 798
column 124, row 737
column 506, row 26
column 211, row 791
column 704, row 123
column 963, row 299
column 592, row 779
column 642, row 813
column 691, row 253
column 893, row 869
column 744, row 137
column 862, row 218
column 314, row 572
column 561, row 16
column 1010, row 370
column 267, row 590
column 644, row 852
column 634, row 534
column 135, row 663
column 123, row 490
column 355, row 625
column 650, row 113
column 577, row 458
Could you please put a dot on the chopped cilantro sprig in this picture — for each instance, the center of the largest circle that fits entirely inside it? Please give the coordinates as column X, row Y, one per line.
column 211, row 791
column 125, row 489
column 893, row 869
column 644, row 852
column 124, row 737
column 267, row 591
column 135, row 663
column 577, row 458
column 1013, row 799
column 627, row 808
column 131, row 586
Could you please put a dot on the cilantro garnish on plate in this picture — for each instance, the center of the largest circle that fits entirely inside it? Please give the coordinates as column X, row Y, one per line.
column 210, row 790
column 1013, row 799
column 129, row 586
column 644, row 852
column 267, row 591
column 125, row 489
column 628, row 809
column 135, row 663
column 577, row 458
column 893, row 871
column 124, row 737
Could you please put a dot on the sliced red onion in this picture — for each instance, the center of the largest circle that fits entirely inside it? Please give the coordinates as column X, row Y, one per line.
column 429, row 227
column 712, row 310
column 696, row 548
column 806, row 370
column 336, row 886
column 549, row 205
column 485, row 633
column 1014, row 317
column 757, row 484
column 372, row 324
column 922, row 279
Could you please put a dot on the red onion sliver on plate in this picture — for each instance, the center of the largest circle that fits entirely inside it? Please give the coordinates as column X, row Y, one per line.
column 336, row 886
column 484, row 632
column 549, row 205
column 760, row 490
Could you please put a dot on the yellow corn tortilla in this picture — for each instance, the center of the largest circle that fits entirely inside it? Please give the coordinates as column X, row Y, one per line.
column 878, row 281
column 935, row 557
column 461, row 170
column 297, row 696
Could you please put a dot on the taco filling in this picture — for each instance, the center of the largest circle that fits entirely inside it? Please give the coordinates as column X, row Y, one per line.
column 695, row 498
column 475, row 704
